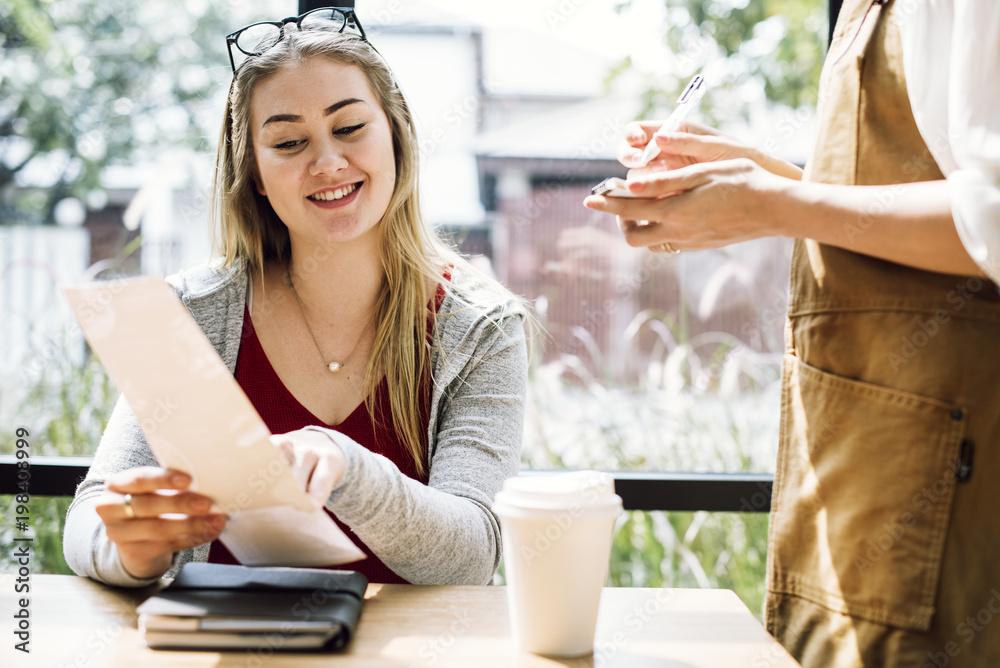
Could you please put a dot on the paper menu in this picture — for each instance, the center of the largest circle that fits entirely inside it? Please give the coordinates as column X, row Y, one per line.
column 197, row 419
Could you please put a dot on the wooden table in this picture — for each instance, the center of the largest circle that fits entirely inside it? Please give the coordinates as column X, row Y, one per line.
column 77, row 622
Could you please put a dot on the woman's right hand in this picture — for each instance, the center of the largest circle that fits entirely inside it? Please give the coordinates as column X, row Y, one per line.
column 146, row 539
column 693, row 144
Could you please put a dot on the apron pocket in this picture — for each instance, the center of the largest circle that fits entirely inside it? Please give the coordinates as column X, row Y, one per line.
column 863, row 493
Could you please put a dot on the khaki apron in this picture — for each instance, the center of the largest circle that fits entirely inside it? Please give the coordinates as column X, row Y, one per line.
column 884, row 545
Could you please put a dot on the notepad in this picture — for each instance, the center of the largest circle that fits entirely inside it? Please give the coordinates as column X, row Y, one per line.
column 223, row 606
column 196, row 419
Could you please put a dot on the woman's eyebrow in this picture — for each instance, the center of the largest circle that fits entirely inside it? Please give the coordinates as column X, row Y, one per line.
column 294, row 118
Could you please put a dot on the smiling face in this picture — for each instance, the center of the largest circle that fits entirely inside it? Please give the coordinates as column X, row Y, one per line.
column 324, row 151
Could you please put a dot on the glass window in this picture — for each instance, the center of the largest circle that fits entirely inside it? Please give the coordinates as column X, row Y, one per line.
column 649, row 361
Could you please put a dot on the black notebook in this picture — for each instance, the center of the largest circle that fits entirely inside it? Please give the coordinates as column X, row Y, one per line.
column 221, row 606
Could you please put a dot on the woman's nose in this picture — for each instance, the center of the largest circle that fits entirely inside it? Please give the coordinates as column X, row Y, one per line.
column 329, row 158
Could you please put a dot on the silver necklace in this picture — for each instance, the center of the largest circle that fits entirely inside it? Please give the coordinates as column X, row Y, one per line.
column 332, row 366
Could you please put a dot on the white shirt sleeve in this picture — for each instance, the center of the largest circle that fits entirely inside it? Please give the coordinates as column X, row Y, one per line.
column 955, row 102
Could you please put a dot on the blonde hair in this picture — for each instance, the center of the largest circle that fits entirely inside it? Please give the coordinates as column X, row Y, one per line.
column 249, row 230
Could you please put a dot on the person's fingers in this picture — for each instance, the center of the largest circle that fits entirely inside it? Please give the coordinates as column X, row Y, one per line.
column 638, row 133
column 285, row 448
column 165, row 529
column 650, row 234
column 149, row 558
column 315, row 459
column 306, row 461
column 626, row 224
column 697, row 129
column 301, row 461
column 146, row 479
column 662, row 163
column 112, row 507
column 324, row 477
column 629, row 156
column 697, row 148
column 660, row 184
column 649, row 191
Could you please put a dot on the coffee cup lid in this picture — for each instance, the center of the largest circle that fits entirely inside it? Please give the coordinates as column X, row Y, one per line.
column 583, row 489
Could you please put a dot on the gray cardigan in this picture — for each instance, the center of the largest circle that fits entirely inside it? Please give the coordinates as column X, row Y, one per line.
column 441, row 533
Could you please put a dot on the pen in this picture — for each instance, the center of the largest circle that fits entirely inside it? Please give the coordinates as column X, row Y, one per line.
column 686, row 103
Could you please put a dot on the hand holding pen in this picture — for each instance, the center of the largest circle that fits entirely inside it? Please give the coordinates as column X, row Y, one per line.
column 686, row 103
column 696, row 188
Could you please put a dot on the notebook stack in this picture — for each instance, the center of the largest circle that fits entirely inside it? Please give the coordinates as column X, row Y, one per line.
column 215, row 606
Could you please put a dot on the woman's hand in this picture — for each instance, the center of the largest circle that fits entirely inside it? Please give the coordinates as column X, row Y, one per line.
column 703, row 190
column 149, row 514
column 703, row 205
column 694, row 143
column 316, row 460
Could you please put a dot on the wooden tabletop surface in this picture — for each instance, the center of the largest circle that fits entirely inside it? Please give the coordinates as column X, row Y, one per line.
column 77, row 622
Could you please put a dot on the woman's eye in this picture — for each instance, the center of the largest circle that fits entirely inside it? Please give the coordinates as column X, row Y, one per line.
column 348, row 131
column 285, row 145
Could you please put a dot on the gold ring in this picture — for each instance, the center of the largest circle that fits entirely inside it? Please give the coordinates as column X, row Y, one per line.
column 129, row 510
column 665, row 247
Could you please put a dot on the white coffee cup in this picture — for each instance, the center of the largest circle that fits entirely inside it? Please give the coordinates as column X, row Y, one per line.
column 557, row 531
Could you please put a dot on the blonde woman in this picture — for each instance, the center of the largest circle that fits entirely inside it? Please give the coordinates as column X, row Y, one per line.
column 394, row 373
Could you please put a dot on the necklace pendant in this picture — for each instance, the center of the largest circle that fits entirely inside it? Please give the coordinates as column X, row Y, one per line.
column 334, row 366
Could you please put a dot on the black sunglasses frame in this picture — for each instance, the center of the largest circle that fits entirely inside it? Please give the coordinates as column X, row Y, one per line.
column 350, row 20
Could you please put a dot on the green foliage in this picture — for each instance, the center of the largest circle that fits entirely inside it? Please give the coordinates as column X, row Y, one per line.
column 88, row 83
column 773, row 46
column 46, row 521
column 64, row 402
column 702, row 549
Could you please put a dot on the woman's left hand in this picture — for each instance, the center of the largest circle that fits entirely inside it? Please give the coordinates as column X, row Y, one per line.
column 316, row 460
column 704, row 205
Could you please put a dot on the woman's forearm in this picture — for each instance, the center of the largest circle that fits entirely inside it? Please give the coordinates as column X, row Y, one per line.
column 425, row 535
column 909, row 223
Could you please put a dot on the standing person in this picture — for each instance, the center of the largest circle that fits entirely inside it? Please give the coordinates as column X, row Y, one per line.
column 393, row 373
column 884, row 542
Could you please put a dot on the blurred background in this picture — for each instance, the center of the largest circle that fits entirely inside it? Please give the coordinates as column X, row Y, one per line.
column 109, row 116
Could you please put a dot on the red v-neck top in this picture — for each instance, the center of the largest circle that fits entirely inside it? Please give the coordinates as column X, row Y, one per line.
column 282, row 413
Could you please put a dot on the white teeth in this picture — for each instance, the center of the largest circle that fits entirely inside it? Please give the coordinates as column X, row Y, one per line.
column 328, row 195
